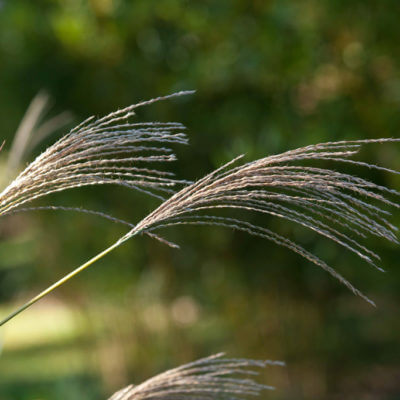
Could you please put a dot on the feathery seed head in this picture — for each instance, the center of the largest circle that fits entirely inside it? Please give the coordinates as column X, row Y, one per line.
column 108, row 150
column 204, row 379
column 336, row 205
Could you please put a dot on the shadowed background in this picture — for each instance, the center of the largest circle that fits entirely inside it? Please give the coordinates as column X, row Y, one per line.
column 270, row 76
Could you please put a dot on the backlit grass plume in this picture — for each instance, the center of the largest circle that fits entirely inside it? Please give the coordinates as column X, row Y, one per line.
column 108, row 150
column 205, row 379
column 342, row 207
column 336, row 205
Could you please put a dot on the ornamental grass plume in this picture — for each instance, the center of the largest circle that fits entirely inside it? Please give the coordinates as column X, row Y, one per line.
column 342, row 207
column 204, row 379
column 333, row 204
column 108, row 150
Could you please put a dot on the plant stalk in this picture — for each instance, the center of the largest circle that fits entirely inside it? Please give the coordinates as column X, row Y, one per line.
column 68, row 277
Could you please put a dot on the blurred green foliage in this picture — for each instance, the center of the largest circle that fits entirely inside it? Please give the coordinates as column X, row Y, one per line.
column 270, row 76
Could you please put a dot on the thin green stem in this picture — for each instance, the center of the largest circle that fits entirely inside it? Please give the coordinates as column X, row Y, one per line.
column 68, row 277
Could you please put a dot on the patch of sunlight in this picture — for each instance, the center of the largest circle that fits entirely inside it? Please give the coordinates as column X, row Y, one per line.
column 45, row 323
column 47, row 365
column 44, row 343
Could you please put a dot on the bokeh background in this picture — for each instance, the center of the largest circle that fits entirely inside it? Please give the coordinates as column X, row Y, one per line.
column 270, row 76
